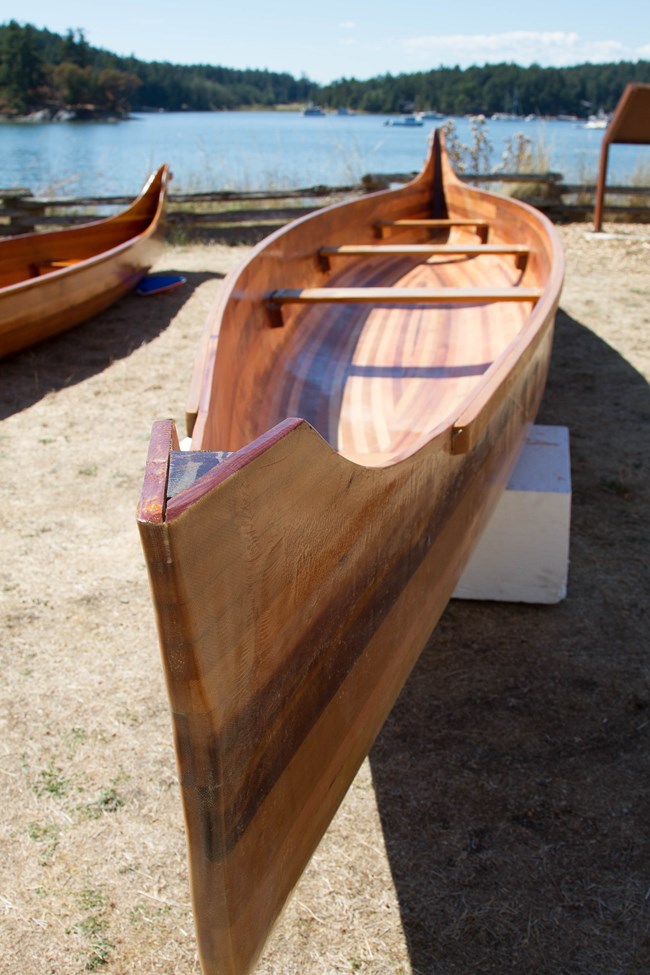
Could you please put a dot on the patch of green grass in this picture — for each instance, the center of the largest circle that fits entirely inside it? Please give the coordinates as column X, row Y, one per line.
column 75, row 737
column 145, row 914
column 108, row 801
column 52, row 782
column 48, row 836
column 92, row 900
column 89, row 471
column 94, row 928
column 178, row 235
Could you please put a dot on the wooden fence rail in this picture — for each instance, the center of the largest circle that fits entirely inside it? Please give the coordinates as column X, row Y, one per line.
column 255, row 211
column 233, row 215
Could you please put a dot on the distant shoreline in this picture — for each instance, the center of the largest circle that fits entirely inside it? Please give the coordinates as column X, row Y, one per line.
column 86, row 113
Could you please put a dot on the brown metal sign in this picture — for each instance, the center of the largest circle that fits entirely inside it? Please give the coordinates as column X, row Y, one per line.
column 630, row 124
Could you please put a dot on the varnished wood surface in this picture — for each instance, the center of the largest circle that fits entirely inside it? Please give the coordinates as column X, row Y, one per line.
column 296, row 582
column 629, row 124
column 408, row 296
column 467, row 250
column 53, row 280
column 233, row 411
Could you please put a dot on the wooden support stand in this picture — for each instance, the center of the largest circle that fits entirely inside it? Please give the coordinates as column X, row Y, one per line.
column 523, row 555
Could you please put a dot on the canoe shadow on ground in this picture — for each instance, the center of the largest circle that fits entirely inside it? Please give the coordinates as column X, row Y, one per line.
column 91, row 347
column 511, row 777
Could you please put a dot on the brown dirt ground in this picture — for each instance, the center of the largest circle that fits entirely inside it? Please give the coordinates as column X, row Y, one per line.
column 501, row 824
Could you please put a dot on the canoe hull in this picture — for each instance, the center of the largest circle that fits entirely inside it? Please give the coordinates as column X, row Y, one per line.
column 295, row 588
column 274, row 713
column 77, row 273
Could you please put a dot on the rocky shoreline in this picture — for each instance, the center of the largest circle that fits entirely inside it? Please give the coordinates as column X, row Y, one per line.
column 60, row 113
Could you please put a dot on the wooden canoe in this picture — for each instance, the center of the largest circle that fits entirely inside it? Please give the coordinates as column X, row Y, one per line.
column 358, row 403
column 53, row 280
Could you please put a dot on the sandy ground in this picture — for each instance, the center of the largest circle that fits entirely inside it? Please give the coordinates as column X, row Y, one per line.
column 501, row 824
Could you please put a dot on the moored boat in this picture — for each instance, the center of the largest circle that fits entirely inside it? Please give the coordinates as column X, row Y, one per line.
column 597, row 122
column 313, row 111
column 358, row 403
column 407, row 121
column 53, row 280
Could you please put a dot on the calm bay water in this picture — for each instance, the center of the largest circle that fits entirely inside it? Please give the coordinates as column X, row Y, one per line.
column 251, row 150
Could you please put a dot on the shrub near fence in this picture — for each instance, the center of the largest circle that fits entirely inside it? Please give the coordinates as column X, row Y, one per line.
column 565, row 202
column 245, row 217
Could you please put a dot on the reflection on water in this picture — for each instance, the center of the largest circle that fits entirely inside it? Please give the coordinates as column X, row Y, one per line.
column 252, row 150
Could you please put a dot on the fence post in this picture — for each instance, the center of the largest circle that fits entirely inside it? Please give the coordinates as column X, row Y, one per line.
column 22, row 209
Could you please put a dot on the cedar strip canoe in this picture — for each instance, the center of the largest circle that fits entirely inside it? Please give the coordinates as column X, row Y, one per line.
column 357, row 405
column 54, row 280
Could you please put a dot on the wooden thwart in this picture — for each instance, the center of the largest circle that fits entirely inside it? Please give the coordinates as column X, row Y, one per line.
column 422, row 250
column 399, row 296
column 434, row 223
column 46, row 267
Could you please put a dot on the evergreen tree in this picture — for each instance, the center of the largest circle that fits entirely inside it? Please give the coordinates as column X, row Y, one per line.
column 76, row 49
column 21, row 65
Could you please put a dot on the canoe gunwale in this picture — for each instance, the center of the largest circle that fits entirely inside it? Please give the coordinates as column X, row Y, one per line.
column 473, row 413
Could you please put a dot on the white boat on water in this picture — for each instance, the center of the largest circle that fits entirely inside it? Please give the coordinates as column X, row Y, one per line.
column 407, row 121
column 599, row 121
column 313, row 111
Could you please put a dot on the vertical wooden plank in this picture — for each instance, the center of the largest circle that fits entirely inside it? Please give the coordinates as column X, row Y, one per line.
column 164, row 438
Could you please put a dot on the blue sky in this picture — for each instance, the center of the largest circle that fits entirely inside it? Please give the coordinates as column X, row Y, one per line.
column 354, row 39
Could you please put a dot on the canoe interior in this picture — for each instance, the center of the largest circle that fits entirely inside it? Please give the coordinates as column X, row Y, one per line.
column 376, row 381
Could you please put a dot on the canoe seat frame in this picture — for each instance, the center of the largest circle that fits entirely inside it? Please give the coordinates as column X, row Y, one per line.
column 482, row 227
column 46, row 267
column 393, row 296
column 519, row 251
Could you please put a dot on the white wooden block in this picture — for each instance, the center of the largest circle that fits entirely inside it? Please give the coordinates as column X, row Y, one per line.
column 523, row 554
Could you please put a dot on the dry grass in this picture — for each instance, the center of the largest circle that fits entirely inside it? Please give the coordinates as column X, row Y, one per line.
column 501, row 824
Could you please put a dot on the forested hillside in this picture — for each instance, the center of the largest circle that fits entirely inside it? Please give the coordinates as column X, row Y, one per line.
column 581, row 90
column 40, row 70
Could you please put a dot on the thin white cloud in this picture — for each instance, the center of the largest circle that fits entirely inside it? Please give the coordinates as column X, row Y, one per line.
column 522, row 47
column 347, row 25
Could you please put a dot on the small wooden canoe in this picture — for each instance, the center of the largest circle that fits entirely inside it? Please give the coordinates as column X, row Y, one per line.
column 358, row 403
column 53, row 280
